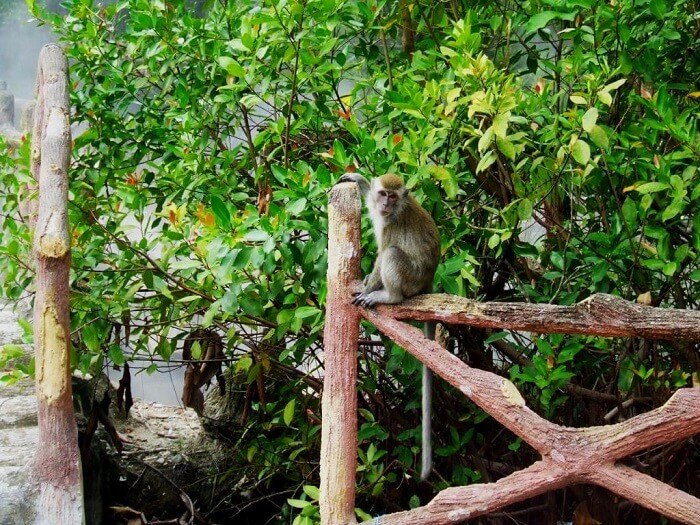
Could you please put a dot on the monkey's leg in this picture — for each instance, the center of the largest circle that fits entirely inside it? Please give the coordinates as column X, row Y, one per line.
column 393, row 268
column 427, row 412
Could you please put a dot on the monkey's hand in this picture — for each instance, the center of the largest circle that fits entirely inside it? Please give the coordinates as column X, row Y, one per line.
column 361, row 181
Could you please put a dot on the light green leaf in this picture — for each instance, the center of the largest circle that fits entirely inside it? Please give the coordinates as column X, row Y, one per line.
column 540, row 20
column 673, row 209
column 615, row 85
column 589, row 119
column 232, row 66
column 506, row 147
column 296, row 207
column 581, row 152
column 524, row 209
column 288, row 415
column 447, row 178
column 599, row 137
column 651, row 187
column 500, row 124
column 311, row 491
column 577, row 99
column 485, row 140
column 306, row 311
column 298, row 503
column 257, row 236
column 669, row 268
column 486, row 161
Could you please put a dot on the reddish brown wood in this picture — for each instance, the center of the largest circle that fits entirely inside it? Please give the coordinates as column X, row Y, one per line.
column 569, row 455
column 600, row 314
column 339, row 403
column 57, row 464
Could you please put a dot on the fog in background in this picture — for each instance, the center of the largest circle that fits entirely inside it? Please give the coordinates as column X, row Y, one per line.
column 21, row 39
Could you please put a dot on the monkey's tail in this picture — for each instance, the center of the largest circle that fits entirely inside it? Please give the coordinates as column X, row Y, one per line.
column 427, row 412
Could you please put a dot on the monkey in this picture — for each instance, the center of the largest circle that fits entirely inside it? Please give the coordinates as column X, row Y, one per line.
column 408, row 245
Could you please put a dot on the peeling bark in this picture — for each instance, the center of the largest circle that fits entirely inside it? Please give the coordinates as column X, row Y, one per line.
column 57, row 466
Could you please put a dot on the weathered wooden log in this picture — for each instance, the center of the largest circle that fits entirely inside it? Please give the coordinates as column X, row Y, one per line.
column 57, row 467
column 339, row 403
column 600, row 314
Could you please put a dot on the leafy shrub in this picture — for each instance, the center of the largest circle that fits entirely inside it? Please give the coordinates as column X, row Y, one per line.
column 210, row 137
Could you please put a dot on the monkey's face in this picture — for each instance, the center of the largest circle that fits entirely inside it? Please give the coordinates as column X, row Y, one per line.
column 387, row 201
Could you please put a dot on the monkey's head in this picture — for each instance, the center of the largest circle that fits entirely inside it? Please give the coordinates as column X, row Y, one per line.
column 389, row 194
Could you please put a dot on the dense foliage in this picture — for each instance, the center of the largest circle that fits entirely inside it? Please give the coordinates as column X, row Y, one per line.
column 556, row 144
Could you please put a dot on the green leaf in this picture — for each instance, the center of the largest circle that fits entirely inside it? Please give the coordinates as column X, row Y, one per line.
column 651, row 187
column 116, row 354
column 12, row 351
column 223, row 217
column 598, row 137
column 524, row 209
column 496, row 336
column 540, row 20
column 232, row 66
column 506, row 147
column 288, row 415
column 629, row 213
column 298, row 503
column 304, row 312
column 579, row 100
column 485, row 140
column 311, row 491
column 673, row 209
column 589, row 119
column 486, row 161
column 581, row 152
column 658, row 8
column 557, row 260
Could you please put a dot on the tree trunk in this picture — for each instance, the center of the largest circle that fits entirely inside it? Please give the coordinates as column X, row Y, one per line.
column 57, row 467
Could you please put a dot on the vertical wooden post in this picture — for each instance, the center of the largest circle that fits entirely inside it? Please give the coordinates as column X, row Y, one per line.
column 339, row 404
column 57, row 467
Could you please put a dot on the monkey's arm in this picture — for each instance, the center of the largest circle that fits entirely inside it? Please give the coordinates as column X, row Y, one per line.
column 358, row 179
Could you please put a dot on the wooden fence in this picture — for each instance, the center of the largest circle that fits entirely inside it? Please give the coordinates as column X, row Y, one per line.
column 568, row 455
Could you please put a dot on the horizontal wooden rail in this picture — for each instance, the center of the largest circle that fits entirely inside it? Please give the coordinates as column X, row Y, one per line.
column 599, row 315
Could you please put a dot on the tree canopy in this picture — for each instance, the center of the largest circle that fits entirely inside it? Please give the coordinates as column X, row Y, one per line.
column 556, row 144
